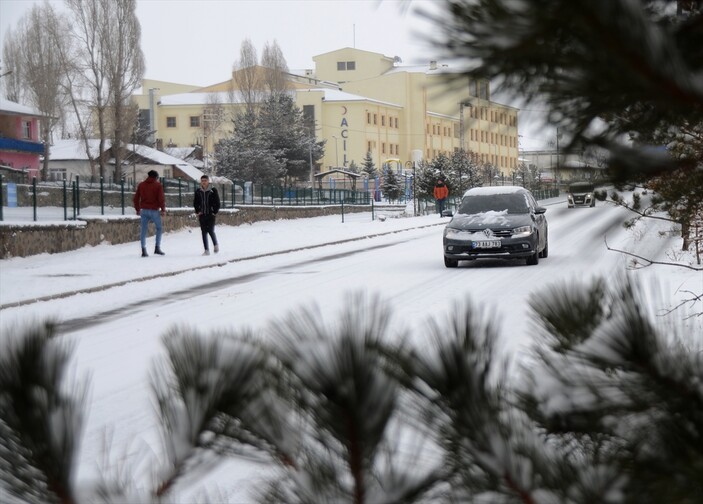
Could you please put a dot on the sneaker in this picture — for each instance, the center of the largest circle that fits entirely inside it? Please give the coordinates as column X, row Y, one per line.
column 207, row 252
column 158, row 251
column 217, row 249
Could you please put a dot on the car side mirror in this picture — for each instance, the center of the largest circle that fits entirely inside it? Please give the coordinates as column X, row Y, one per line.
column 447, row 213
column 540, row 210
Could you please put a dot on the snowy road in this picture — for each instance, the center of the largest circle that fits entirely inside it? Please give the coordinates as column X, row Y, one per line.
column 117, row 331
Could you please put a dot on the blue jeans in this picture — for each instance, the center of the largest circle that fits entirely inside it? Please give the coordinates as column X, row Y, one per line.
column 440, row 205
column 147, row 217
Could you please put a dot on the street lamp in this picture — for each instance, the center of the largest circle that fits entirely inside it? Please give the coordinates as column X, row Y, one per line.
column 461, row 122
column 408, row 164
column 336, row 151
column 556, row 172
column 152, row 112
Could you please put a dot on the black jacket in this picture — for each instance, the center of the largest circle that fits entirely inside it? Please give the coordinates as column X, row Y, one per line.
column 206, row 202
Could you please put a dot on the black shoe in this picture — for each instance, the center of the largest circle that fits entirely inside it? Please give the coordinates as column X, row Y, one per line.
column 144, row 254
column 158, row 251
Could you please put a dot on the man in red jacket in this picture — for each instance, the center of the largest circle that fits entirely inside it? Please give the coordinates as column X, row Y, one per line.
column 150, row 204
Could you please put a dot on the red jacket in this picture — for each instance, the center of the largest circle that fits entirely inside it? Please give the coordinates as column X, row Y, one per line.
column 150, row 195
column 441, row 191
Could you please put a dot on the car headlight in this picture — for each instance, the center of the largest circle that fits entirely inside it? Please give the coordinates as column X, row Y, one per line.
column 456, row 234
column 451, row 233
column 522, row 231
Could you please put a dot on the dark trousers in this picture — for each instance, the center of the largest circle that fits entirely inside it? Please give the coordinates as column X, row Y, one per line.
column 440, row 205
column 207, row 227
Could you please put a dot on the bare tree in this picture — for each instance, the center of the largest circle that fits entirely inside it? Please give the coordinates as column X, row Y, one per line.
column 124, row 68
column 247, row 75
column 88, row 20
column 41, row 69
column 213, row 119
column 10, row 69
column 275, row 68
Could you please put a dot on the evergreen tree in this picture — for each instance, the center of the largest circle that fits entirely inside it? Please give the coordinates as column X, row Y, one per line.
column 425, row 178
column 247, row 154
column 463, row 172
column 368, row 166
column 270, row 144
column 608, row 410
column 353, row 167
column 282, row 124
column 390, row 185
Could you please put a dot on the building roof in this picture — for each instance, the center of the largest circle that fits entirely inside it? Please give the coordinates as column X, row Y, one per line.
column 71, row 150
column 8, row 107
column 223, row 97
column 65, row 150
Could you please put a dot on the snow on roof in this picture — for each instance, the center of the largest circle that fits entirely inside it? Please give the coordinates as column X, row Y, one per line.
column 490, row 190
column 69, row 150
column 337, row 95
column 14, row 108
column 166, row 159
column 211, row 98
column 179, row 152
column 223, row 97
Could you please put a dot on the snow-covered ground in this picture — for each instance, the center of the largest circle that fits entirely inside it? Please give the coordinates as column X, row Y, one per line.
column 115, row 306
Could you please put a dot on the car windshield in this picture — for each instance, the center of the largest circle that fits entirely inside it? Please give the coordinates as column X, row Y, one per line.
column 513, row 203
column 581, row 188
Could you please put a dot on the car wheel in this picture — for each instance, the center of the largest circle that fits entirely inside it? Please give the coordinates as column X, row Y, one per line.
column 593, row 203
column 450, row 263
column 545, row 251
column 533, row 259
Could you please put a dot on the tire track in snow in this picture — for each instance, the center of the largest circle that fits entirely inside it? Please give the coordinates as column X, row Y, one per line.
column 98, row 288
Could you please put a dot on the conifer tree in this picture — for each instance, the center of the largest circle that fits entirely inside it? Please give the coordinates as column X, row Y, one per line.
column 368, row 166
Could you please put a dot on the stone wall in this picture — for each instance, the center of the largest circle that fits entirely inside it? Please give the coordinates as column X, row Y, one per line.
column 21, row 240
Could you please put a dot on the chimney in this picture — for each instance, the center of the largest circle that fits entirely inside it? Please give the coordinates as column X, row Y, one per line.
column 433, row 65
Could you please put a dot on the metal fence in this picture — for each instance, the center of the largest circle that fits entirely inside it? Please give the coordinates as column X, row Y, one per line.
column 101, row 198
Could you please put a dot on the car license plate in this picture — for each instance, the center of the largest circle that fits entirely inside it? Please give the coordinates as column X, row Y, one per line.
column 486, row 244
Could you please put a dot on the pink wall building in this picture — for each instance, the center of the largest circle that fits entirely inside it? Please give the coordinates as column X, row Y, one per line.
column 20, row 147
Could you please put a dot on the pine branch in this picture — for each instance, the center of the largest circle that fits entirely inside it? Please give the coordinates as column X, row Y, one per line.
column 650, row 262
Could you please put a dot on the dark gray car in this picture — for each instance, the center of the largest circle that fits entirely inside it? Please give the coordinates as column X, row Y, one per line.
column 496, row 223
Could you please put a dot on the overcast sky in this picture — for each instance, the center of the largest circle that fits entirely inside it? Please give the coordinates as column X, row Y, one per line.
column 197, row 41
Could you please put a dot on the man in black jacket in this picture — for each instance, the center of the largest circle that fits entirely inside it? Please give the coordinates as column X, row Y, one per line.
column 207, row 203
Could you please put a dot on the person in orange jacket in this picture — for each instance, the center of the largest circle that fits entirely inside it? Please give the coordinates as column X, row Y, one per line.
column 441, row 192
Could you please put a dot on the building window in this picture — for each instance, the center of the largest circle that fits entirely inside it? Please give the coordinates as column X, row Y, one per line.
column 170, row 122
column 383, row 120
column 57, row 174
column 368, row 117
column 383, row 148
column 368, row 146
column 194, row 121
column 375, row 119
column 27, row 129
column 346, row 65
column 396, row 122
column 309, row 117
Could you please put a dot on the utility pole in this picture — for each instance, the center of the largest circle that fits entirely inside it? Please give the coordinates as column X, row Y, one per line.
column 556, row 172
column 461, row 123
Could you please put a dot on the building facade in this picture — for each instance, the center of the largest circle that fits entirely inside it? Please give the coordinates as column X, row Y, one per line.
column 20, row 147
column 359, row 102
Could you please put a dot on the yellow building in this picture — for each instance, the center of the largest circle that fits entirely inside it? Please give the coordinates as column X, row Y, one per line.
column 360, row 102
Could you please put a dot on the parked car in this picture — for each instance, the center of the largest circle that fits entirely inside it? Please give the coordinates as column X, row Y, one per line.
column 496, row 223
column 581, row 194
